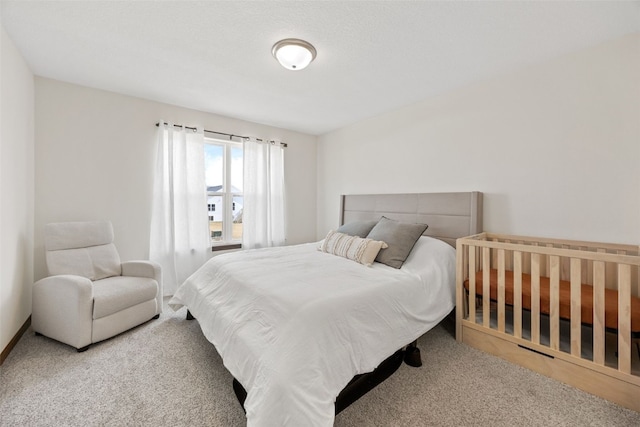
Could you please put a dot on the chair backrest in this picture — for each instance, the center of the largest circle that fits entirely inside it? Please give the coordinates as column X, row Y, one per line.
column 81, row 248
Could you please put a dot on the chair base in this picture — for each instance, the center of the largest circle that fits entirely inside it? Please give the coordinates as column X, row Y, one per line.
column 85, row 348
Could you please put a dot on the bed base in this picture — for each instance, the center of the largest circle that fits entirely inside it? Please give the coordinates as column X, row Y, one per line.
column 521, row 315
column 360, row 384
column 357, row 387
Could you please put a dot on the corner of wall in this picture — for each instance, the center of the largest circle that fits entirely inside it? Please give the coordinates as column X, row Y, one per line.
column 17, row 145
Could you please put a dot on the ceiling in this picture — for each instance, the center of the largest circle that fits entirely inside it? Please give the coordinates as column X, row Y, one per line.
column 373, row 57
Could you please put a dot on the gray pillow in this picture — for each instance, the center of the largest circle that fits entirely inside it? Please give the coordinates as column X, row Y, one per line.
column 357, row 228
column 400, row 236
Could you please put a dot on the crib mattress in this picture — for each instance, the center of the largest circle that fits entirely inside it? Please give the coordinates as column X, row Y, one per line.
column 611, row 299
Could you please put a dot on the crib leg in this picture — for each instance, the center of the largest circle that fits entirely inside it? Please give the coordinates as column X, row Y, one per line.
column 412, row 355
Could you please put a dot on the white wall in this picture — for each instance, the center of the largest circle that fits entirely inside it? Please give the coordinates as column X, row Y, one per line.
column 555, row 148
column 16, row 189
column 95, row 154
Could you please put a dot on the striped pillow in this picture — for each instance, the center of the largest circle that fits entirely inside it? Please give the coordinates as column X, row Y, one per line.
column 354, row 248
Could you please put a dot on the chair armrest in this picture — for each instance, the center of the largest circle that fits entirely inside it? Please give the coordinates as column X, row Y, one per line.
column 62, row 308
column 142, row 269
column 146, row 269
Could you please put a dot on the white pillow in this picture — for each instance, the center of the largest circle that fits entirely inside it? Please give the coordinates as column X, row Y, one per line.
column 434, row 263
column 354, row 248
column 429, row 253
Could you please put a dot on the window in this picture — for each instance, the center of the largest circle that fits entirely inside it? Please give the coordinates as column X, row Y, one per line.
column 223, row 177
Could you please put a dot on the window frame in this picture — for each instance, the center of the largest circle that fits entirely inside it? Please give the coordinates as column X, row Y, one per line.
column 226, row 194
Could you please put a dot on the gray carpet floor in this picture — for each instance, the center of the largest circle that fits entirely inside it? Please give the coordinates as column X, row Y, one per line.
column 165, row 373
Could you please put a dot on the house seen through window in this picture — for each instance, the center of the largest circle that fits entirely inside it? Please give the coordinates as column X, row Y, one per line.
column 223, row 169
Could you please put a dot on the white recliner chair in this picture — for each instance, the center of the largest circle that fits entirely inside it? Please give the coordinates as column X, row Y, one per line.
column 90, row 295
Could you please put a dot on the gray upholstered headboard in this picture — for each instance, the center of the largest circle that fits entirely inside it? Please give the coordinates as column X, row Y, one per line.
column 449, row 215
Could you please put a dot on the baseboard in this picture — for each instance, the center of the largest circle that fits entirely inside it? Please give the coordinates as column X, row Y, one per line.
column 15, row 340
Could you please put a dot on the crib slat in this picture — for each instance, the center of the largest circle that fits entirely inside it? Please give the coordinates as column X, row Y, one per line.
column 598, row 313
column 624, row 321
column 576, row 307
column 554, row 302
column 508, row 263
column 565, row 266
column 517, row 294
column 460, row 274
column 535, row 298
column 501, row 287
column 472, row 284
column 486, row 289
column 494, row 257
column 547, row 263
column 526, row 263
column 465, row 270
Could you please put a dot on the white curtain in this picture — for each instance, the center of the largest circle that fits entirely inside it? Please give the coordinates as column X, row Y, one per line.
column 179, row 239
column 263, row 215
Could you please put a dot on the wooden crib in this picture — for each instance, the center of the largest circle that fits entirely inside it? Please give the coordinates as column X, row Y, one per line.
column 566, row 309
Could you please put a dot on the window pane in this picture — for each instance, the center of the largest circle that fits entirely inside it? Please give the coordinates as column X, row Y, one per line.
column 216, row 216
column 236, row 170
column 224, row 161
column 214, row 167
column 236, row 214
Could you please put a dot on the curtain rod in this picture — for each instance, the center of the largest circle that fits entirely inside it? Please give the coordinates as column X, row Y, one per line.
column 222, row 133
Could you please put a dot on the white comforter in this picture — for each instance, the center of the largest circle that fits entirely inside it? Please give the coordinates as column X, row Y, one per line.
column 294, row 325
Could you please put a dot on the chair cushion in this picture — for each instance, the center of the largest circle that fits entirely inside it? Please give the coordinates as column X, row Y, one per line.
column 81, row 248
column 94, row 263
column 73, row 235
column 114, row 294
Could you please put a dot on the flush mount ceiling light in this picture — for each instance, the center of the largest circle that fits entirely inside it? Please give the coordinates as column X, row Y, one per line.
column 293, row 54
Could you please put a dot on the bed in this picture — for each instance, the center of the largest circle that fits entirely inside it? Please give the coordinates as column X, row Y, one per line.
column 300, row 328
column 567, row 309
